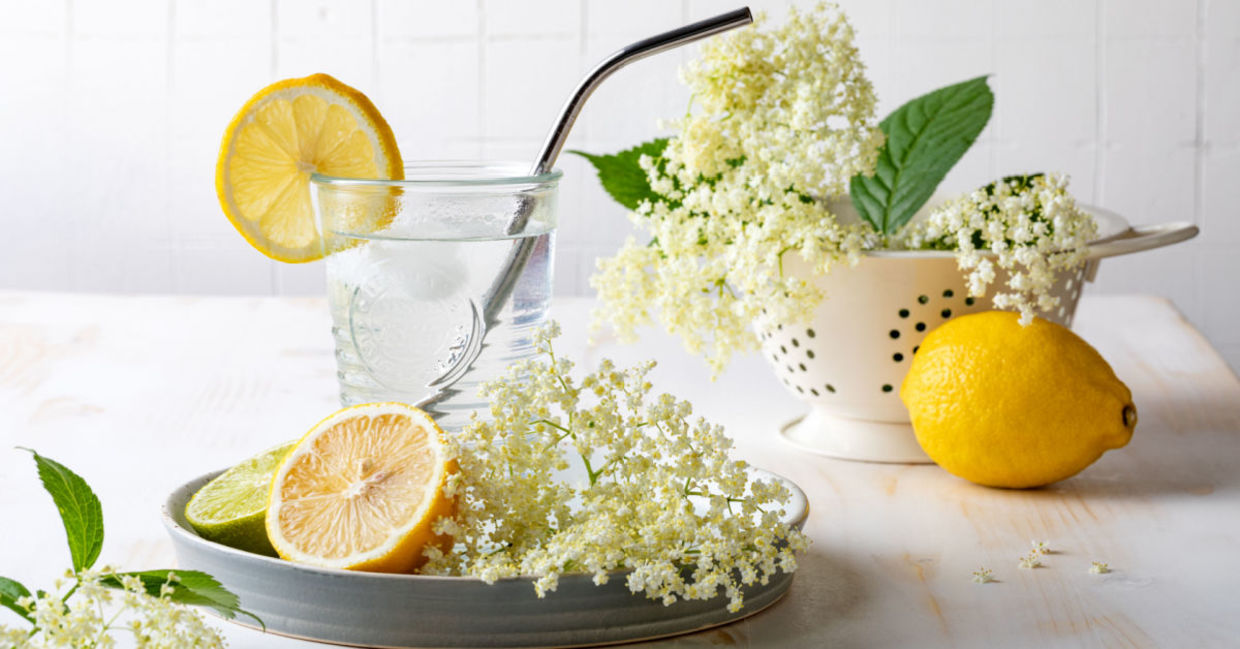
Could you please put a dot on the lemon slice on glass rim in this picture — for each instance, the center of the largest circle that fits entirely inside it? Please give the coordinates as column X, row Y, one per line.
column 362, row 490
column 283, row 134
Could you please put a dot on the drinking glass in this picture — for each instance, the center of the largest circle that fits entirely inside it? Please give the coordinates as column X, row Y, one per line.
column 409, row 264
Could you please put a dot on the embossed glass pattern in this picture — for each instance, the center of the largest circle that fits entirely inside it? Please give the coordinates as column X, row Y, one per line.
column 411, row 262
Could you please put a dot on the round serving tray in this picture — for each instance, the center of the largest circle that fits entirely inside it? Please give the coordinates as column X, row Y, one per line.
column 382, row 610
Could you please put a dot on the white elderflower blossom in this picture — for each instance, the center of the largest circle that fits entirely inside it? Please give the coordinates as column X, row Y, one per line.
column 94, row 612
column 1031, row 560
column 1098, row 568
column 656, row 494
column 786, row 119
column 1027, row 225
column 983, row 575
column 1040, row 547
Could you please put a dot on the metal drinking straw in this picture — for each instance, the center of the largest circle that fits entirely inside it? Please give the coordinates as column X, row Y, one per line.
column 493, row 300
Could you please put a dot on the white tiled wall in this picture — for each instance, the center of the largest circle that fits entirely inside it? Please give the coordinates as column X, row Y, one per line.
column 111, row 112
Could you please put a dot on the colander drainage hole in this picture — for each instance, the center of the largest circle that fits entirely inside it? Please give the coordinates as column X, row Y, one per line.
column 920, row 326
column 895, row 333
column 810, row 353
column 830, row 388
column 886, row 387
column 903, row 313
column 948, row 293
column 946, row 313
column 897, row 357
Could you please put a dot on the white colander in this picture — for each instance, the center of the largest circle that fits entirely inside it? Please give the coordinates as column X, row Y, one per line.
column 848, row 362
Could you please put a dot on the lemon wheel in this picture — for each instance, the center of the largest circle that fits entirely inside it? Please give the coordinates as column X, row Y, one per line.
column 282, row 135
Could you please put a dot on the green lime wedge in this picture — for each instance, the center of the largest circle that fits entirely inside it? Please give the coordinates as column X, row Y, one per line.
column 231, row 508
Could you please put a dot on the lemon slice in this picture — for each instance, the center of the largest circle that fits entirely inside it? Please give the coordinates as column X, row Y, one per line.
column 283, row 134
column 232, row 508
column 362, row 490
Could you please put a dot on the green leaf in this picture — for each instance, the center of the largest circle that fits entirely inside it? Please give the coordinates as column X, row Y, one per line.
column 10, row 592
column 79, row 510
column 191, row 587
column 621, row 175
column 925, row 139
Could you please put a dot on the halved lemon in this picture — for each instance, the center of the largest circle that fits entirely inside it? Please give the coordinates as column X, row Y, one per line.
column 362, row 490
column 283, row 134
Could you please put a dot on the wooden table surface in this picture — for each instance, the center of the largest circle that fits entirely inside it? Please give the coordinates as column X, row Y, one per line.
column 138, row 394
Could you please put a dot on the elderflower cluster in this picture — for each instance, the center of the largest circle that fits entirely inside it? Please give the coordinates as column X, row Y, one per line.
column 786, row 119
column 1028, row 226
column 95, row 612
column 983, row 575
column 654, row 493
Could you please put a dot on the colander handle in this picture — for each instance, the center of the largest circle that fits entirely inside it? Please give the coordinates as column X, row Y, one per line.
column 1144, row 237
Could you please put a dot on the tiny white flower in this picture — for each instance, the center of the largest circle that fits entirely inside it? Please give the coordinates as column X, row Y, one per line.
column 1098, row 568
column 983, row 575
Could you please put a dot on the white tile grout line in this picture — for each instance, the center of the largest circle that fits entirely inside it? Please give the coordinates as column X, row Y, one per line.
column 273, row 274
column 1100, row 140
column 1199, row 127
column 172, row 235
column 374, row 47
column 481, row 36
column 1199, row 146
column 998, row 137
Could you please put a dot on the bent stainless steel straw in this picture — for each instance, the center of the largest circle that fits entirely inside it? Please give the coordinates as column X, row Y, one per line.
column 501, row 289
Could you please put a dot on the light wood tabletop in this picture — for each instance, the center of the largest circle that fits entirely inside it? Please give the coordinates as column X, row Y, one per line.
column 139, row 394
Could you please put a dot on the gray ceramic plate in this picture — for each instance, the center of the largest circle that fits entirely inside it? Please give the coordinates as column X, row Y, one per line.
column 378, row 610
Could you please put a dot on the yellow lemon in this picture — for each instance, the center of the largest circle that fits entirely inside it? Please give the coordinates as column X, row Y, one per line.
column 1010, row 406
column 362, row 490
column 281, row 136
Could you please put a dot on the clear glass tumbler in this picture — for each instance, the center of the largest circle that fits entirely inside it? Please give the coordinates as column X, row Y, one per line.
column 409, row 264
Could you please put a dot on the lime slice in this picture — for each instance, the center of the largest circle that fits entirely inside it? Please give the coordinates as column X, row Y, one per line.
column 232, row 508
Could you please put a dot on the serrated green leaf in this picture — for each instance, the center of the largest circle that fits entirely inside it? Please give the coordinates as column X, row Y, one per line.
column 191, row 587
column 925, row 138
column 622, row 177
column 79, row 509
column 10, row 592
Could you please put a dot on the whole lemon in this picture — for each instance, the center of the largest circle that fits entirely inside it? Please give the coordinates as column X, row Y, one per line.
column 1006, row 405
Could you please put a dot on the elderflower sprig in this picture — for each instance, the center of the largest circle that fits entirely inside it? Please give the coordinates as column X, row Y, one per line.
column 1029, row 226
column 1099, row 568
column 655, row 493
column 88, row 613
column 87, row 606
column 1031, row 560
column 786, row 119
column 983, row 575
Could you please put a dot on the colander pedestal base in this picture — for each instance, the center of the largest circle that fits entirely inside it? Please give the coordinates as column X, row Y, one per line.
column 859, row 440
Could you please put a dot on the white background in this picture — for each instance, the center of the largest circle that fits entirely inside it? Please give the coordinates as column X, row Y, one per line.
column 111, row 113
